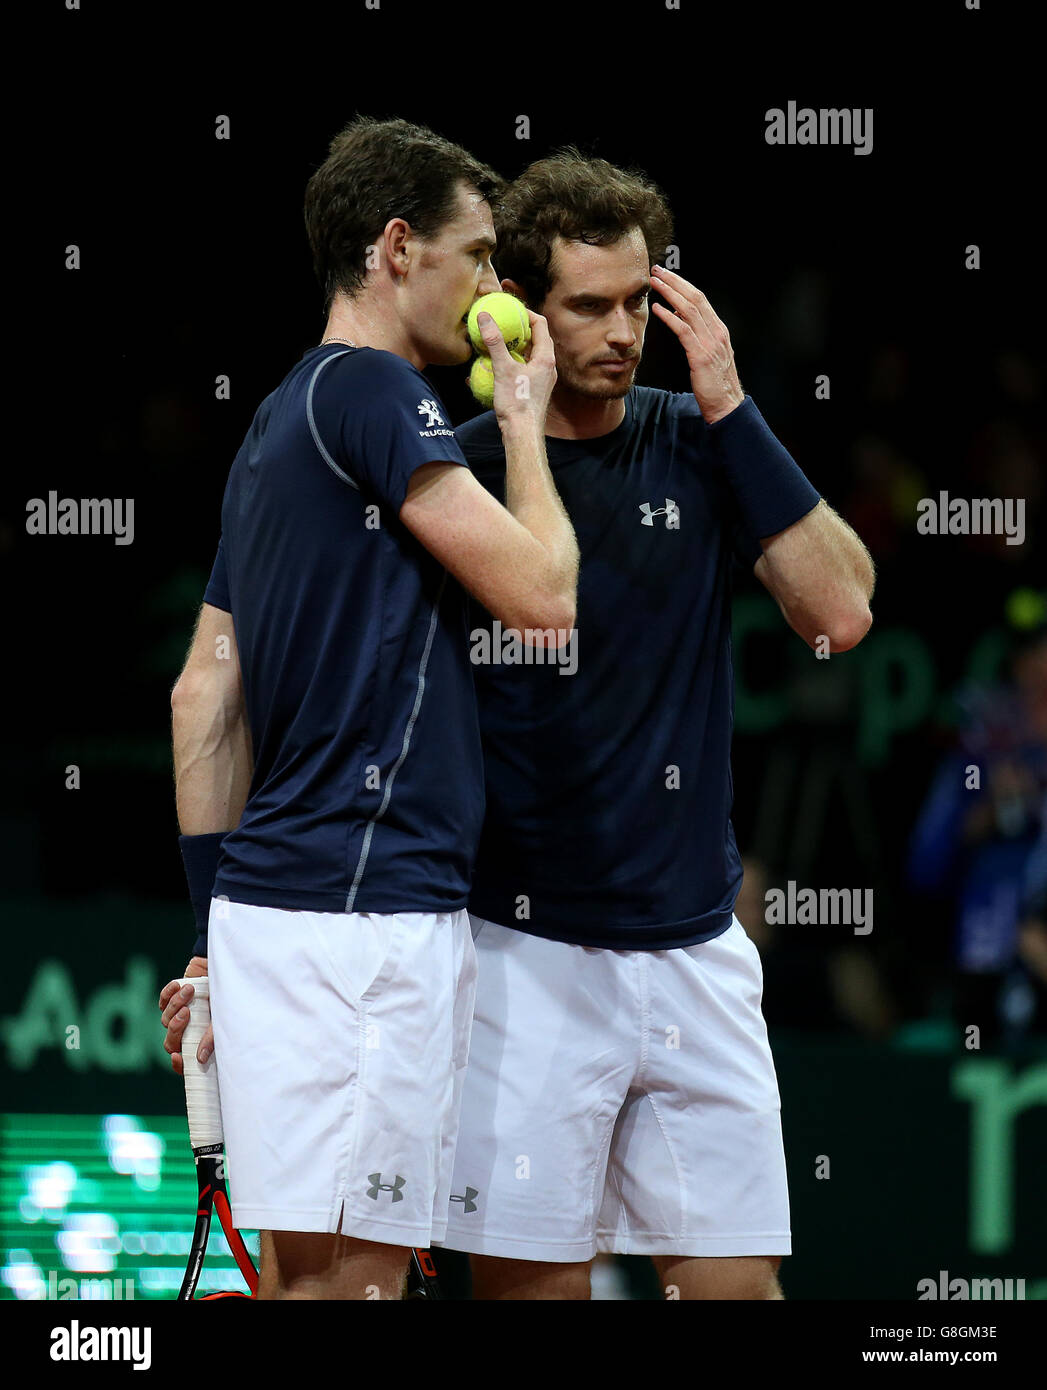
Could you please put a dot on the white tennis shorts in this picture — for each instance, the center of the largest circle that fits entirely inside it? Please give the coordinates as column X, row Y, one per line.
column 340, row 1042
column 618, row 1101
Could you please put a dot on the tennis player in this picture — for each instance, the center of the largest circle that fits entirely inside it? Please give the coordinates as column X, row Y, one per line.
column 327, row 754
column 620, row 1094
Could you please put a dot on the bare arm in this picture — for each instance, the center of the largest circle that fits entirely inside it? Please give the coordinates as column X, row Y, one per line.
column 211, row 739
column 822, row 577
column 521, row 560
column 213, row 763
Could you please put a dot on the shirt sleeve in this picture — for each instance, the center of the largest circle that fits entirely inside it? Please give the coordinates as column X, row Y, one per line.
column 380, row 420
column 746, row 548
column 217, row 591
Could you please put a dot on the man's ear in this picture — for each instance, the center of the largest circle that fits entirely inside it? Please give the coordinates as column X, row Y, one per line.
column 511, row 287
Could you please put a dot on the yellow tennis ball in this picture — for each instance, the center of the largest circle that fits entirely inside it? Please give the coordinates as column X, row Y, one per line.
column 481, row 379
column 508, row 313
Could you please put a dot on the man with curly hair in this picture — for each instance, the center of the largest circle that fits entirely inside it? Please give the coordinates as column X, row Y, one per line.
column 620, row 1094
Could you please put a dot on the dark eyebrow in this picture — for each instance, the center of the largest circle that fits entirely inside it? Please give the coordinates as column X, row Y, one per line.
column 602, row 299
column 487, row 241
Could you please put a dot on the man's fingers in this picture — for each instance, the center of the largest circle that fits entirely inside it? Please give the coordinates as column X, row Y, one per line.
column 174, row 987
column 667, row 282
column 485, row 320
column 676, row 322
column 699, row 351
column 206, row 1045
column 177, row 1007
column 676, row 282
column 175, row 999
column 698, row 342
column 540, row 339
column 492, row 336
column 175, row 1021
column 685, row 307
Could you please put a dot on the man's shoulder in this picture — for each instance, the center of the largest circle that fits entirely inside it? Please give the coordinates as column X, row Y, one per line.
column 369, row 367
column 481, row 438
column 366, row 384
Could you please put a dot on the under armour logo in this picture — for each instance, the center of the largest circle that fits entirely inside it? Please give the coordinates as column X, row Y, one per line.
column 375, row 1179
column 470, row 1193
column 432, row 411
column 670, row 511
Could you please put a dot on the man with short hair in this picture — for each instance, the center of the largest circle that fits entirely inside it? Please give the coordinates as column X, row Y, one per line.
column 620, row 1094
column 327, row 755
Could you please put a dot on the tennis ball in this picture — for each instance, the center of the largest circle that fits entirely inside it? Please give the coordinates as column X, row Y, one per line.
column 481, row 379
column 508, row 313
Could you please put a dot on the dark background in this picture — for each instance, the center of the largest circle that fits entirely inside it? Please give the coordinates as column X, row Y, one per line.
column 819, row 260
column 195, row 264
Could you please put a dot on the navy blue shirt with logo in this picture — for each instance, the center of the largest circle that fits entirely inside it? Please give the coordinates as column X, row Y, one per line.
column 367, row 792
column 609, row 790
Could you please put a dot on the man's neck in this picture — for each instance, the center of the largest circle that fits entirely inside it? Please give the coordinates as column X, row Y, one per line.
column 571, row 416
column 364, row 325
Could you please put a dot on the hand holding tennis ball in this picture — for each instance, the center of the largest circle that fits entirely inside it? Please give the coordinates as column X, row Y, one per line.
column 509, row 313
column 503, row 325
column 481, row 378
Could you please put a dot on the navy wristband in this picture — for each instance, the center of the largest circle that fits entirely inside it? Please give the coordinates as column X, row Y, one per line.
column 769, row 486
column 200, row 855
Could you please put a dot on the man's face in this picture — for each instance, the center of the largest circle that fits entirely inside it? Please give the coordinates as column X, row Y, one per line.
column 597, row 313
column 453, row 270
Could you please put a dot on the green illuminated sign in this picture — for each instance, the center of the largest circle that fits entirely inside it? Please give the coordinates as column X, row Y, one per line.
column 101, row 1207
column 117, row 1028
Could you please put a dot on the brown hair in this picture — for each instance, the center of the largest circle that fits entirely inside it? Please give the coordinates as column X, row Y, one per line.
column 376, row 170
column 580, row 198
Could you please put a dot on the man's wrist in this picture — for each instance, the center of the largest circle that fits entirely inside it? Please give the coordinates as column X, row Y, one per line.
column 200, row 855
column 521, row 424
column 718, row 413
column 770, row 489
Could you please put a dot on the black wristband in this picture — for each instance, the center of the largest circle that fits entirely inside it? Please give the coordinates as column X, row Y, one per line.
column 200, row 855
column 770, row 488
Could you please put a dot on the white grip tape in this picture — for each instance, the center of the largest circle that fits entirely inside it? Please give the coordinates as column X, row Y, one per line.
column 202, row 1101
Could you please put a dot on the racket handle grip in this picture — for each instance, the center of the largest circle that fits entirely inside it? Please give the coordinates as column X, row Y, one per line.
column 202, row 1100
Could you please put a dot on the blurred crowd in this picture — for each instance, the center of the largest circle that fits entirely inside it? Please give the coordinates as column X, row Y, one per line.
column 954, row 837
column 980, row 843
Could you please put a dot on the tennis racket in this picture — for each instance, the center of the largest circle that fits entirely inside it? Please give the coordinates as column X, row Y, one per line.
column 202, row 1103
column 421, row 1276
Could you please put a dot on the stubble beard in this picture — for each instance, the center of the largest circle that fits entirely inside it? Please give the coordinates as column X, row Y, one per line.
column 594, row 389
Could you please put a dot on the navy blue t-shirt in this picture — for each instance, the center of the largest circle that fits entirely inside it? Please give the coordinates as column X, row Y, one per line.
column 609, row 791
column 367, row 793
